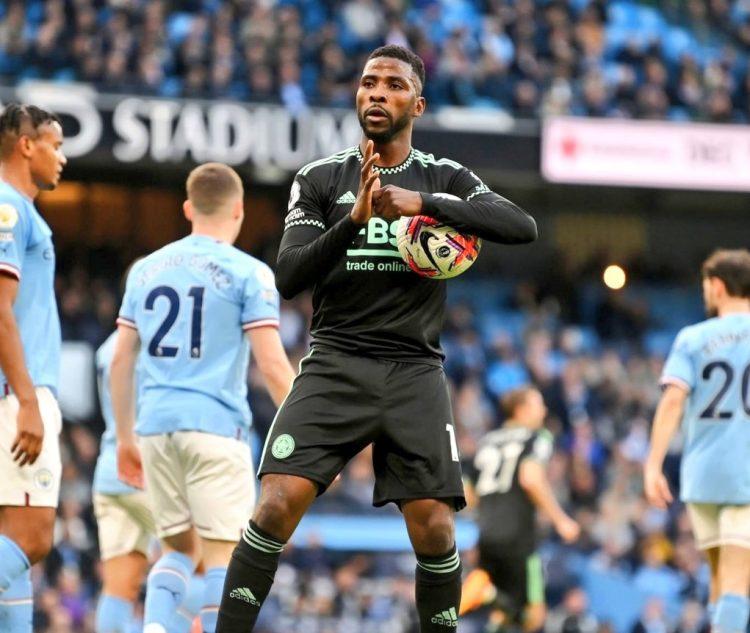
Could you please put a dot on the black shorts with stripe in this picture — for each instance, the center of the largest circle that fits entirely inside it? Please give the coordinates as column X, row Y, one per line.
column 341, row 403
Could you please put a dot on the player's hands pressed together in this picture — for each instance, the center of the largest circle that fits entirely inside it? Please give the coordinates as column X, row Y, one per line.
column 368, row 180
column 392, row 202
column 656, row 487
column 129, row 466
column 29, row 434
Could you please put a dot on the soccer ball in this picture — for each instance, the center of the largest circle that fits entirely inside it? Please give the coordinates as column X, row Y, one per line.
column 433, row 249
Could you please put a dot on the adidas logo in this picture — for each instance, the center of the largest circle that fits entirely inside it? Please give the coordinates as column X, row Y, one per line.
column 347, row 198
column 446, row 618
column 244, row 594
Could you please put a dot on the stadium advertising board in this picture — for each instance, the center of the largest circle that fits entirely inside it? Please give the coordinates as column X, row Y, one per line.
column 136, row 132
column 646, row 154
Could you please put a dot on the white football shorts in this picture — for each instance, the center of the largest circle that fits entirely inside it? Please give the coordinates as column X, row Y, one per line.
column 716, row 525
column 37, row 484
column 125, row 524
column 198, row 479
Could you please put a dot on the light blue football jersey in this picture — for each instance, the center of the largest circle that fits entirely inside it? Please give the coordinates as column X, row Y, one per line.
column 191, row 303
column 105, row 474
column 712, row 360
column 27, row 253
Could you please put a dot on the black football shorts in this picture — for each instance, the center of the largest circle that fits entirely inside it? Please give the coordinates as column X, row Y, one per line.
column 340, row 403
column 517, row 575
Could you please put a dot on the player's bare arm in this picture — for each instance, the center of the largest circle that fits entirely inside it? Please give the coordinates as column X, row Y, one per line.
column 30, row 430
column 666, row 422
column 533, row 479
column 122, row 387
column 272, row 362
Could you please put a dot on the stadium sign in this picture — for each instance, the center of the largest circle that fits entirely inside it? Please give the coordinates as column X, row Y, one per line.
column 646, row 154
column 107, row 132
column 133, row 129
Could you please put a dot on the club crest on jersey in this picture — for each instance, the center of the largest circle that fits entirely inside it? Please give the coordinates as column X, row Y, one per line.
column 8, row 217
column 283, row 446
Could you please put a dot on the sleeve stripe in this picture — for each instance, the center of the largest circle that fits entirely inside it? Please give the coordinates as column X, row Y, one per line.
column 9, row 268
column 126, row 322
column 677, row 382
column 250, row 325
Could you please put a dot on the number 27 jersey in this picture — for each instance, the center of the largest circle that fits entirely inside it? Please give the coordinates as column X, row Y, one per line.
column 711, row 360
column 191, row 302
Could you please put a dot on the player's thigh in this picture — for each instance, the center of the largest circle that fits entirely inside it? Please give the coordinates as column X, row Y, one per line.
column 734, row 556
column 38, row 484
column 416, row 454
column 165, row 484
column 125, row 524
column 330, row 414
column 219, row 483
column 704, row 519
column 216, row 553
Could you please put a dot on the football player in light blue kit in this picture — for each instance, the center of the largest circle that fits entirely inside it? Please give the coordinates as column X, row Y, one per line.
column 126, row 526
column 190, row 314
column 706, row 383
column 31, row 160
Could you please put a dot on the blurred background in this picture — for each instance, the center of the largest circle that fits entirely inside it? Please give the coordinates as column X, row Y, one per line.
column 621, row 126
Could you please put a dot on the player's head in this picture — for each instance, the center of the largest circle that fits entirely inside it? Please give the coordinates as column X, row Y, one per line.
column 389, row 96
column 726, row 276
column 524, row 405
column 215, row 196
column 33, row 138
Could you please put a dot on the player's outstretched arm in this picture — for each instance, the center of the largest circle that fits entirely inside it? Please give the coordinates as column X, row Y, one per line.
column 29, row 427
column 122, row 388
column 533, row 479
column 666, row 422
column 306, row 254
column 272, row 361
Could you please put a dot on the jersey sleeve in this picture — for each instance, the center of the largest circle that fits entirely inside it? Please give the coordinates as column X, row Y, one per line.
column 14, row 238
column 305, row 204
column 127, row 313
column 679, row 369
column 540, row 447
column 260, row 301
column 467, row 185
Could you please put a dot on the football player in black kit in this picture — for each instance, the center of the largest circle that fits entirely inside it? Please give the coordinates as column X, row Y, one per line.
column 374, row 374
column 508, row 483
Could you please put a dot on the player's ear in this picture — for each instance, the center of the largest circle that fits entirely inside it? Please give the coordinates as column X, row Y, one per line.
column 25, row 145
column 420, row 106
column 187, row 208
column 239, row 209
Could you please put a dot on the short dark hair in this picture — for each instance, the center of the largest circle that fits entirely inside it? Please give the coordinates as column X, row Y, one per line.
column 732, row 267
column 514, row 399
column 212, row 185
column 17, row 119
column 405, row 55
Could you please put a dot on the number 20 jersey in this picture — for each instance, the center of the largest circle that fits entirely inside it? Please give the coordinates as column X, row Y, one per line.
column 191, row 302
column 711, row 360
column 507, row 515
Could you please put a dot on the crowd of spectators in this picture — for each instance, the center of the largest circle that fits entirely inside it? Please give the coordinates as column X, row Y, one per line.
column 601, row 396
column 657, row 60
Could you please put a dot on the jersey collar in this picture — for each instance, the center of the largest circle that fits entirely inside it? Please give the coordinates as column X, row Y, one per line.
column 390, row 170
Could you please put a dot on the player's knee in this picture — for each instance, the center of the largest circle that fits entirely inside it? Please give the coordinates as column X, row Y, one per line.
column 433, row 532
column 534, row 617
column 273, row 513
column 37, row 545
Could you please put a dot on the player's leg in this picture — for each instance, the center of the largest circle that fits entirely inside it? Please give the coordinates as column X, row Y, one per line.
column 170, row 576
column 329, row 416
column 704, row 520
column 125, row 526
column 284, row 499
column 712, row 555
column 416, row 465
column 438, row 574
column 733, row 607
column 535, row 611
column 28, row 502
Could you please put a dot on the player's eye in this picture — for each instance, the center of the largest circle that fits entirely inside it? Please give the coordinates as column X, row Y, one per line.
column 396, row 86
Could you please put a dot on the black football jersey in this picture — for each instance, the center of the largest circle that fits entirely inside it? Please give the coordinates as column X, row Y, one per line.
column 506, row 513
column 366, row 300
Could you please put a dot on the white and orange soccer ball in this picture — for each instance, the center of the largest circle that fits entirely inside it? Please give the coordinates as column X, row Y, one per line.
column 433, row 249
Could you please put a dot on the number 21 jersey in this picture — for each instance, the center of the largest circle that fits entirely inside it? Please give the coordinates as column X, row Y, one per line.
column 711, row 361
column 191, row 302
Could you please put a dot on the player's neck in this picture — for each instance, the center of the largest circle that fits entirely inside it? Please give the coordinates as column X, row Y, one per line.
column 217, row 232
column 734, row 305
column 392, row 153
column 18, row 177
